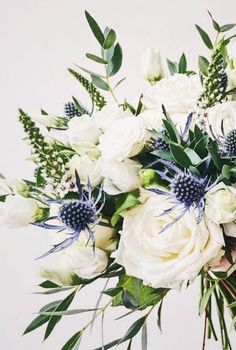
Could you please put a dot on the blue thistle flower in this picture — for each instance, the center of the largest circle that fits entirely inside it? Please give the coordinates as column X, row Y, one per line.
column 76, row 215
column 186, row 189
column 226, row 142
column 159, row 143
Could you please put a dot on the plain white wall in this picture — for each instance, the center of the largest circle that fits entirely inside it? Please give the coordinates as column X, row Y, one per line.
column 39, row 40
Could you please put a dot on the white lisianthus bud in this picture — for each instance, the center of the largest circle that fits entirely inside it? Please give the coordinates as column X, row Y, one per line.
column 49, row 121
column 20, row 187
column 18, row 211
column 152, row 65
column 221, row 204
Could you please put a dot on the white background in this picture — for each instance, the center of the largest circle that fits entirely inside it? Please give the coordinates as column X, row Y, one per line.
column 39, row 40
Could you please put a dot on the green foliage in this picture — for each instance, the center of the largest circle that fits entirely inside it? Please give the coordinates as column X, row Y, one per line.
column 95, row 95
column 179, row 67
column 74, row 342
column 205, row 37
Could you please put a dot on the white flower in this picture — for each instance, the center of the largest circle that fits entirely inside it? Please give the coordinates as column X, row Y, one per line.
column 124, row 138
column 120, row 177
column 231, row 50
column 83, row 133
column 19, row 187
column 225, row 112
column 48, row 120
column 153, row 119
column 152, row 65
column 85, row 167
column 230, row 229
column 178, row 93
column 80, row 257
column 18, row 211
column 81, row 261
column 108, row 115
column 220, row 204
column 169, row 258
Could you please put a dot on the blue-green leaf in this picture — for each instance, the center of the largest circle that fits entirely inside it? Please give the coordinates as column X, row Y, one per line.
column 205, row 37
column 182, row 64
column 95, row 28
column 96, row 58
column 100, row 83
column 110, row 39
column 116, row 60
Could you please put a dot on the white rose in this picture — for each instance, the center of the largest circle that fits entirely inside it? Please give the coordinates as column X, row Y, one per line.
column 225, row 112
column 153, row 119
column 230, row 229
column 108, row 115
column 83, row 133
column 80, row 257
column 85, row 167
column 120, row 177
column 220, row 204
column 178, row 93
column 18, row 211
column 152, row 65
column 169, row 258
column 124, row 138
column 82, row 261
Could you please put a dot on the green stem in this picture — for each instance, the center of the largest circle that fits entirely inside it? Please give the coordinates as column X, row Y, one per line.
column 111, row 90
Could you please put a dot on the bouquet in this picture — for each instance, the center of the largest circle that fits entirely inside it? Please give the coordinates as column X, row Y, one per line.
column 139, row 193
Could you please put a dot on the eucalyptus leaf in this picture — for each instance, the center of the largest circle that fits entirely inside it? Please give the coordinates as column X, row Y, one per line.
column 180, row 156
column 95, row 28
column 66, row 313
column 110, row 39
column 203, row 64
column 173, row 66
column 113, row 291
column 96, row 58
column 116, row 60
column 227, row 27
column 109, row 345
column 48, row 284
column 182, row 64
column 205, row 37
column 100, row 83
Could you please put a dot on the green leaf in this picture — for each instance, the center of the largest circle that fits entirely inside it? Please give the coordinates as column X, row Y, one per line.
column 227, row 27
column 116, row 61
column 66, row 313
column 74, row 342
column 129, row 345
column 173, row 66
column 48, row 284
column 180, row 156
column 159, row 315
column 53, row 320
column 110, row 39
column 216, row 158
column 205, row 299
column 226, row 171
column 3, row 198
column 133, row 330
column 163, row 155
column 95, row 28
column 171, row 130
column 96, row 58
column 113, row 291
column 100, row 83
column 205, row 37
column 193, row 156
column 203, row 64
column 182, row 64
column 144, row 336
column 109, row 345
column 215, row 24
column 129, row 300
column 40, row 320
column 119, row 82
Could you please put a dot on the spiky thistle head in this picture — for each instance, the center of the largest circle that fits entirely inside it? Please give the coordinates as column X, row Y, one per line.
column 230, row 143
column 71, row 110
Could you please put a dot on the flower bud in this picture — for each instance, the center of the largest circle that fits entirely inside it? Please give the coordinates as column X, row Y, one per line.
column 152, row 65
column 147, row 177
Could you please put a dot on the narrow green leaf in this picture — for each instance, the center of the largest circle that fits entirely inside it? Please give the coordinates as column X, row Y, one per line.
column 215, row 156
column 163, row 155
column 64, row 304
column 205, row 299
column 144, row 337
column 159, row 315
column 95, row 28
column 182, row 64
column 40, row 320
column 205, row 37
column 203, row 64
column 215, row 24
column 227, row 27
column 48, row 284
column 171, row 130
column 100, row 83
column 133, row 330
column 74, row 342
column 116, row 60
column 3, row 198
column 129, row 300
column 110, row 39
column 180, row 156
column 173, row 66
column 66, row 313
column 96, row 58
column 119, row 82
column 109, row 345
